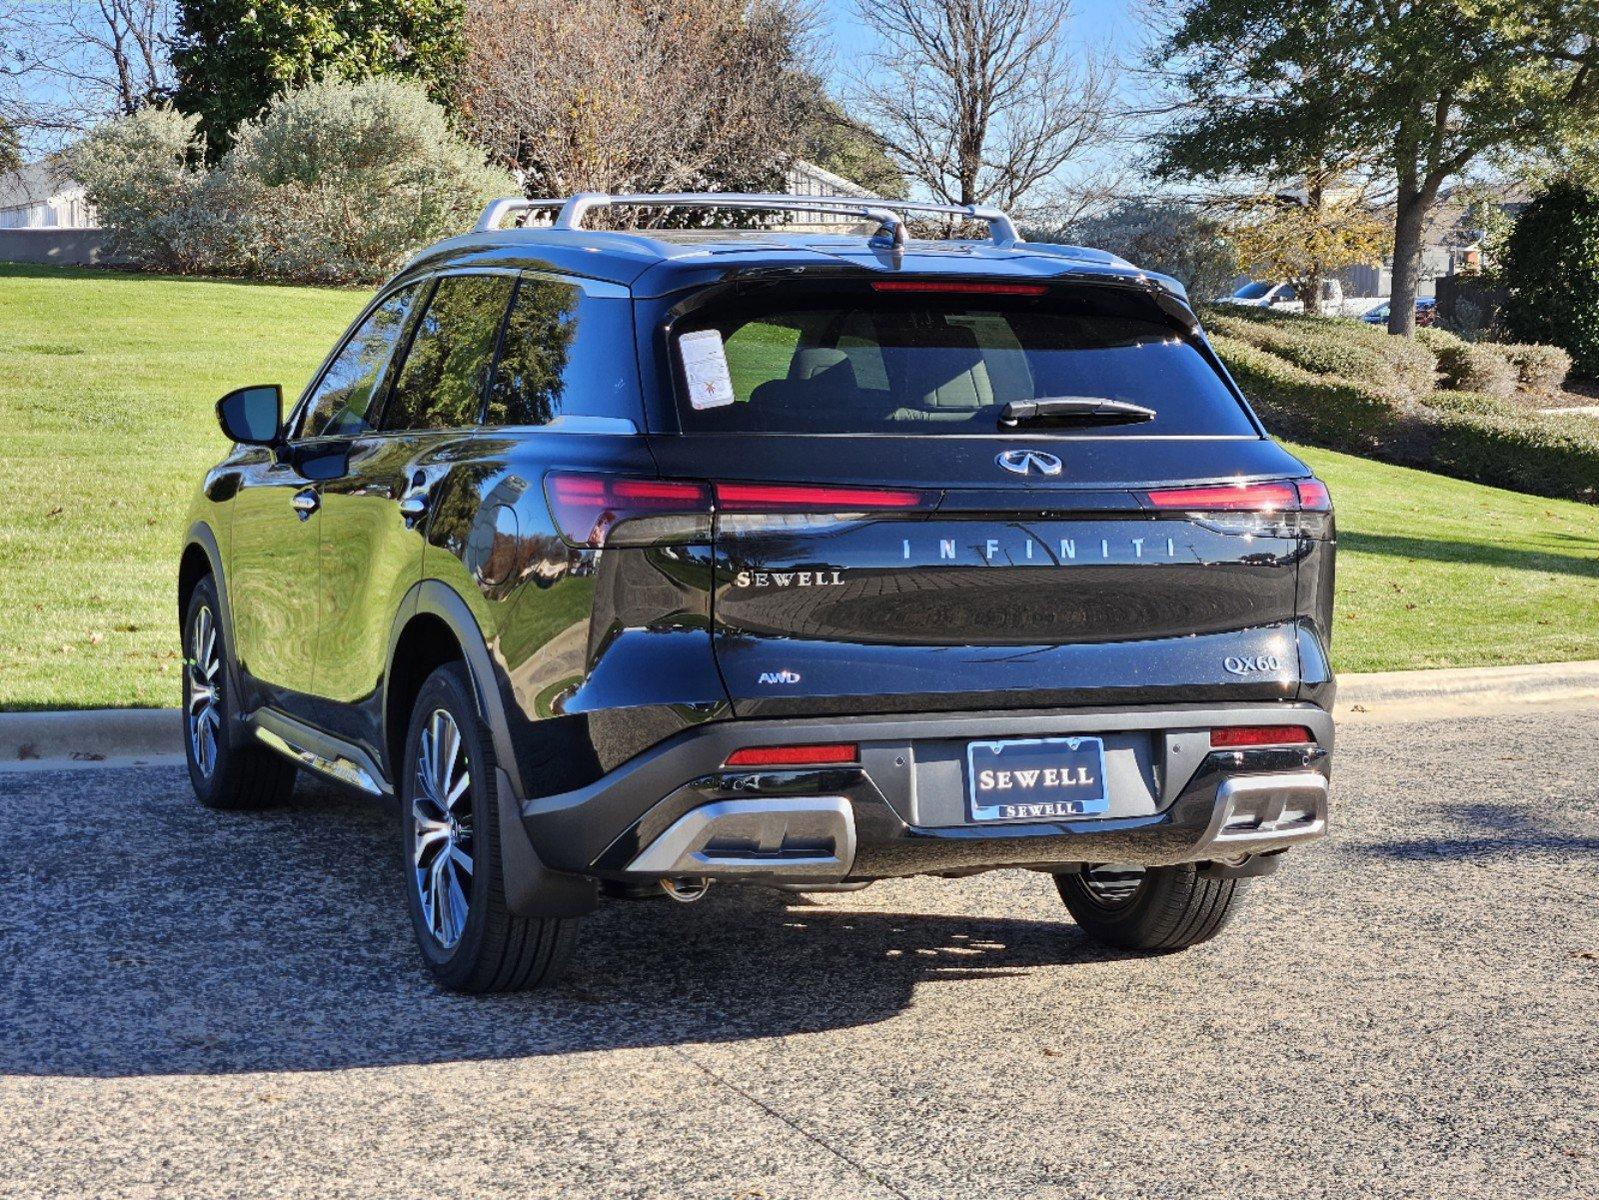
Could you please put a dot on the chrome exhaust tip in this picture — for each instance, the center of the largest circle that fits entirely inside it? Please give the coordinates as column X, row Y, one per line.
column 686, row 891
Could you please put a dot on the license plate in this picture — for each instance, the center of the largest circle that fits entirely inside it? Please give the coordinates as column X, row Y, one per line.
column 1036, row 779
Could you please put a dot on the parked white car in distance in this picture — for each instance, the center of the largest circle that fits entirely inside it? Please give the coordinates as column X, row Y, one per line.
column 1285, row 297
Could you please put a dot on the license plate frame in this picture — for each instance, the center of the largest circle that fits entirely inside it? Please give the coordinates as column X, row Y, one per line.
column 1079, row 796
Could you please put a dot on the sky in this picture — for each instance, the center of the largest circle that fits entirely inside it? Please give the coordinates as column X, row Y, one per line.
column 1093, row 23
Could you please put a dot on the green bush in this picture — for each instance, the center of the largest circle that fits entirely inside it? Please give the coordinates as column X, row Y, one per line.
column 141, row 171
column 1552, row 264
column 1469, row 435
column 337, row 182
column 1332, row 345
column 1476, row 367
column 1541, row 368
column 343, row 181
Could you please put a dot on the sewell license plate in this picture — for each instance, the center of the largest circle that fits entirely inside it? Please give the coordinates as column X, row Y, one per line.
column 1036, row 779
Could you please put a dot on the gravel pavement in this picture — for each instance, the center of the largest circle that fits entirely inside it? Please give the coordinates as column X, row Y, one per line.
column 198, row 1004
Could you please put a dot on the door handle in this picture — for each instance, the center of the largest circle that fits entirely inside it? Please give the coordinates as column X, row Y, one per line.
column 305, row 502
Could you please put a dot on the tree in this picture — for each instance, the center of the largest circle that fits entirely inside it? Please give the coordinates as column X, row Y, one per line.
column 232, row 57
column 845, row 148
column 982, row 101
column 1305, row 239
column 109, row 55
column 1552, row 267
column 639, row 96
column 1163, row 235
column 1413, row 91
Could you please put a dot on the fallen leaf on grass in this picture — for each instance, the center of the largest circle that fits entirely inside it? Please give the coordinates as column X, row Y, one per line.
column 96, row 638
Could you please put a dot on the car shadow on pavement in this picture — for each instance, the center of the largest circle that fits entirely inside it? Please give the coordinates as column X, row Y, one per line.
column 155, row 937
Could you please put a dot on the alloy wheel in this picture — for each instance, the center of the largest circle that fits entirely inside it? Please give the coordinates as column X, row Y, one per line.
column 441, row 829
column 204, row 708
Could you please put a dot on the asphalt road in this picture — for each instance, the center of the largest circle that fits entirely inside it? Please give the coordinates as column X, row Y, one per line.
column 197, row 1004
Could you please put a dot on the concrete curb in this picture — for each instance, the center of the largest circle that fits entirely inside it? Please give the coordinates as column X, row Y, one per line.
column 154, row 736
column 90, row 737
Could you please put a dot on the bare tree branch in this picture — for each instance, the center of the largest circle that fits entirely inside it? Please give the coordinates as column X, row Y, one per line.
column 980, row 101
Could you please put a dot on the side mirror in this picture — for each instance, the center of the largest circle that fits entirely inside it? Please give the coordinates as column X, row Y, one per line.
column 252, row 416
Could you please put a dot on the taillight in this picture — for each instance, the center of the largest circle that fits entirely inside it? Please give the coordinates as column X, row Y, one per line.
column 1250, row 497
column 1314, row 496
column 795, row 497
column 829, row 754
column 1275, row 509
column 613, row 510
column 598, row 510
column 1235, row 736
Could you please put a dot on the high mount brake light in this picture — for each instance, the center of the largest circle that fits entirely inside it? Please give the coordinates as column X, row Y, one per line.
column 1238, row 736
column 832, row 753
column 588, row 508
column 937, row 287
column 794, row 497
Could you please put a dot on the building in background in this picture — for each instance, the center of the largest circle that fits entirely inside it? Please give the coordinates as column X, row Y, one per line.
column 42, row 195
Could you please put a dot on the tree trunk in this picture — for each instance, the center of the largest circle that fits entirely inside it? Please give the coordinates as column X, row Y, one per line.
column 1315, row 200
column 1409, row 217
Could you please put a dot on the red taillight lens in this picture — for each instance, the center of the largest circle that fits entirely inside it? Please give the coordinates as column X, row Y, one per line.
column 795, row 497
column 586, row 507
column 1234, row 736
column 794, row 756
column 1314, row 496
column 959, row 289
column 1251, row 497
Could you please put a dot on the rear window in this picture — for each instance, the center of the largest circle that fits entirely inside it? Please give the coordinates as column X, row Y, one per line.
column 943, row 364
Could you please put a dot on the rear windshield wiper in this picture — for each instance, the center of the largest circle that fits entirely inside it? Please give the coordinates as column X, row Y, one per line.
column 1073, row 409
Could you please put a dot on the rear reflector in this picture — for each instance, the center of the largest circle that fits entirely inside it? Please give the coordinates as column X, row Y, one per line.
column 795, row 497
column 794, row 756
column 1233, row 736
column 958, row 289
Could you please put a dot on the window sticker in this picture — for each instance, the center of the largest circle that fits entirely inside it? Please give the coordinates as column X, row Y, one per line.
column 705, row 367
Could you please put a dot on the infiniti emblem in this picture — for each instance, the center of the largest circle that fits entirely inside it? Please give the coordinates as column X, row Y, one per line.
column 1029, row 462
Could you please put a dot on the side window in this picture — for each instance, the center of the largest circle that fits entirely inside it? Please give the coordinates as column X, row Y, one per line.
column 440, row 384
column 564, row 352
column 342, row 402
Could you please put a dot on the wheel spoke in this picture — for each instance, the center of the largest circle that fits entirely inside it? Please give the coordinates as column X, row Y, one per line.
column 441, row 828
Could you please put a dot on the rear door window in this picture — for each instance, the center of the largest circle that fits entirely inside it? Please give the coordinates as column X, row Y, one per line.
column 565, row 353
column 949, row 364
column 441, row 383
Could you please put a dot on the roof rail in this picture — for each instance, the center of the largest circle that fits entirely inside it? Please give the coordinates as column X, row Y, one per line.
column 1001, row 229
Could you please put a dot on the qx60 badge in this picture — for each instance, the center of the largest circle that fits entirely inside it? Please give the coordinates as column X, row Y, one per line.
column 1029, row 462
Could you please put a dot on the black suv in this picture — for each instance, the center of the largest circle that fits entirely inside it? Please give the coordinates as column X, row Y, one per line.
column 630, row 562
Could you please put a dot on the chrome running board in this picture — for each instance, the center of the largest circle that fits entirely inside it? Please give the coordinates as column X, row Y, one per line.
column 318, row 752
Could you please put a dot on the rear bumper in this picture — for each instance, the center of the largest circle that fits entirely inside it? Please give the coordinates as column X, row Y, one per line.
column 678, row 811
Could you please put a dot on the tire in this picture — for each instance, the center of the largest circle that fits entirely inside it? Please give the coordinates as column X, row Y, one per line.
column 1153, row 910
column 450, row 836
column 224, row 775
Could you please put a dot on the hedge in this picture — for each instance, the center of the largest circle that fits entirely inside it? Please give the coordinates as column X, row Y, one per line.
column 1474, row 436
column 1331, row 346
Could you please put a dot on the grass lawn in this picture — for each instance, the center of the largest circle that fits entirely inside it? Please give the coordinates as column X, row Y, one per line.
column 107, row 382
